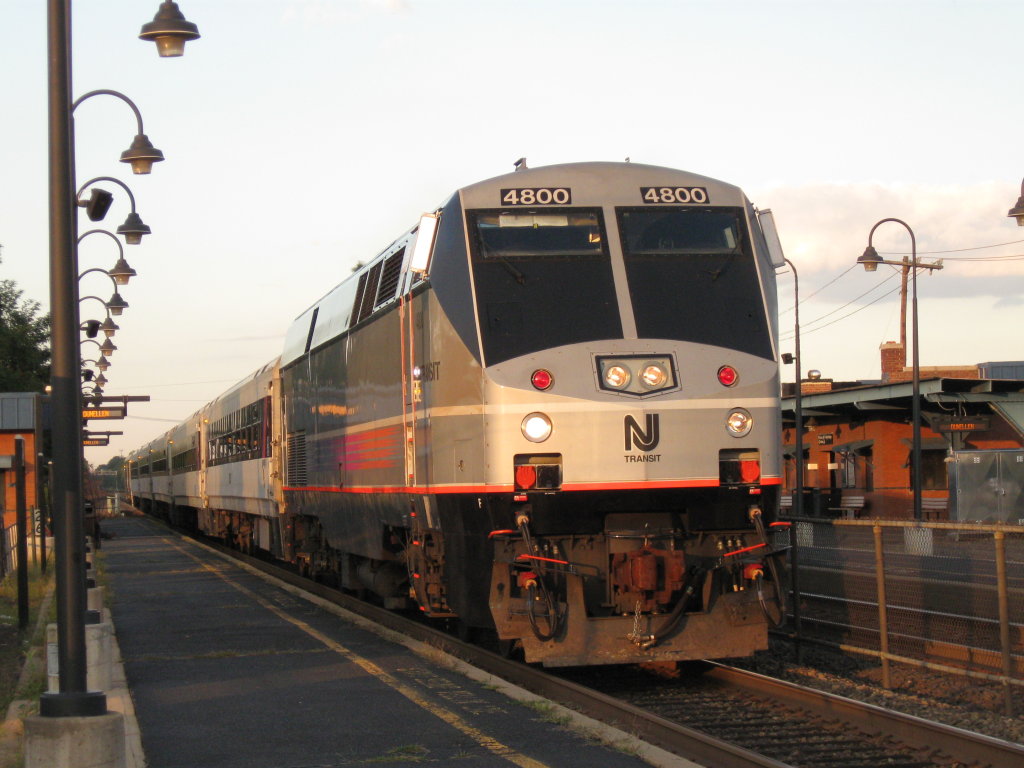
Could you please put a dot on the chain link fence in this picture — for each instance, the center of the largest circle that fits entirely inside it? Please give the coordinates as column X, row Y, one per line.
column 944, row 596
column 9, row 542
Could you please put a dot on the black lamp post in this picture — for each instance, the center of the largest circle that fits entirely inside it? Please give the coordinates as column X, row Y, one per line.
column 73, row 698
column 870, row 259
column 798, row 412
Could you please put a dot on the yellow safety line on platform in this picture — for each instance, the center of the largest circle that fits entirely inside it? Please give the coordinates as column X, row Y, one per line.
column 481, row 738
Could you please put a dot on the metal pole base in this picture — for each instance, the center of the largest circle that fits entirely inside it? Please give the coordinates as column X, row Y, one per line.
column 88, row 704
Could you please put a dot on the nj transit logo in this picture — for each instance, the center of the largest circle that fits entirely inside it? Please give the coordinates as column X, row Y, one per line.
column 646, row 439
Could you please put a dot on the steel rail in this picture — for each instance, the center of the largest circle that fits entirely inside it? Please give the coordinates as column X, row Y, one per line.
column 965, row 746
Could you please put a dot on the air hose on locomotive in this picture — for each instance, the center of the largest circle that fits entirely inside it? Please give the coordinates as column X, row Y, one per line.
column 534, row 584
column 696, row 578
column 755, row 516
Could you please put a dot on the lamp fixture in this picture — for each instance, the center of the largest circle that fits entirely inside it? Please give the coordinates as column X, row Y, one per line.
column 122, row 272
column 109, row 327
column 1017, row 212
column 169, row 30
column 870, row 259
column 133, row 229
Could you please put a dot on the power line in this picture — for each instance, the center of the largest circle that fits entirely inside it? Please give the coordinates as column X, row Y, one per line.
column 1011, row 257
column 804, row 331
column 815, row 293
column 851, row 301
column 956, row 250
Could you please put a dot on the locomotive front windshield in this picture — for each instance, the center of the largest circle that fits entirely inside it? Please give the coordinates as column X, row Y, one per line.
column 692, row 277
column 543, row 279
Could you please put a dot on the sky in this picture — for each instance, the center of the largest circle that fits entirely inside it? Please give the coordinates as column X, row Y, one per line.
column 302, row 136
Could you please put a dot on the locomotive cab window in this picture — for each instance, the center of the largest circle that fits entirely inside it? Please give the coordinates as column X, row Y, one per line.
column 692, row 277
column 543, row 279
column 517, row 235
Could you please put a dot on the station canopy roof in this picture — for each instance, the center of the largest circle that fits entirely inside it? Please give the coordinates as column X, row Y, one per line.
column 971, row 397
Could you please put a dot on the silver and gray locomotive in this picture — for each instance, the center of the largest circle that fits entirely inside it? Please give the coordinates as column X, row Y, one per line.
column 550, row 411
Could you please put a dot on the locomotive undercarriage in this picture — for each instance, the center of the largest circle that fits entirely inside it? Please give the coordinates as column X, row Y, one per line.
column 642, row 590
column 623, row 585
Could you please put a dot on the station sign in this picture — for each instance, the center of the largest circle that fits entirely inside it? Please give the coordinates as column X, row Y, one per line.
column 961, row 423
column 96, row 441
column 112, row 412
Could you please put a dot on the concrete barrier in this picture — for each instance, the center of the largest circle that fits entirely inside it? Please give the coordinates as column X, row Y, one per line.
column 72, row 742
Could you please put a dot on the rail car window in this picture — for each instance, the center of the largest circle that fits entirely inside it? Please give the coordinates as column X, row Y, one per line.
column 692, row 277
column 543, row 279
column 184, row 461
column 241, row 435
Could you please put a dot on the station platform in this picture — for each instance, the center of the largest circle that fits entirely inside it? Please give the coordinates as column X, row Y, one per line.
column 224, row 668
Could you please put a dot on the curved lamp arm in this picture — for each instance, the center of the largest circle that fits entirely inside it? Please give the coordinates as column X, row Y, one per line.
column 106, row 348
column 141, row 154
column 97, row 269
column 108, row 92
column 121, row 272
column 111, row 235
column 116, row 305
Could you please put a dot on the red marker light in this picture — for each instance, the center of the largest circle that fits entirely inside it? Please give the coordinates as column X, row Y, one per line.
column 750, row 471
column 542, row 379
column 526, row 476
column 727, row 375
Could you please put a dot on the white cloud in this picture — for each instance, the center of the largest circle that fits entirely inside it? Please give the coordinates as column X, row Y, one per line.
column 825, row 227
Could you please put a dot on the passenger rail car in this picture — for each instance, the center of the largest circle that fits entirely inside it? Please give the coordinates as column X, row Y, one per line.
column 550, row 410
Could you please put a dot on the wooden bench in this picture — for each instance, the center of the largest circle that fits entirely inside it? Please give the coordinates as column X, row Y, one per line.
column 933, row 509
column 850, row 507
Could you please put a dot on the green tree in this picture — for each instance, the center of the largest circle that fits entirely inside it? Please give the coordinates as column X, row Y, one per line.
column 116, row 464
column 24, row 342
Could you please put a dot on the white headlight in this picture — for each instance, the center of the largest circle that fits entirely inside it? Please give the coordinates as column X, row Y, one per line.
column 653, row 376
column 536, row 427
column 739, row 423
column 617, row 376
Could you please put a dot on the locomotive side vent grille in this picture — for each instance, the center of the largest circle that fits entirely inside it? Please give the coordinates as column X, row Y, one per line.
column 360, row 290
column 297, row 459
column 370, row 294
column 389, row 278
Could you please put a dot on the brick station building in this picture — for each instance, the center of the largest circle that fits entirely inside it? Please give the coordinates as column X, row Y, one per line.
column 20, row 414
column 857, row 442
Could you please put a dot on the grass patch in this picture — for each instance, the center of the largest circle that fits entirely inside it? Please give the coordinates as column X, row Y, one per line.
column 548, row 712
column 407, row 753
column 16, row 645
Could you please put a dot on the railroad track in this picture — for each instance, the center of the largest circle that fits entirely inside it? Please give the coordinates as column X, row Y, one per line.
column 753, row 721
